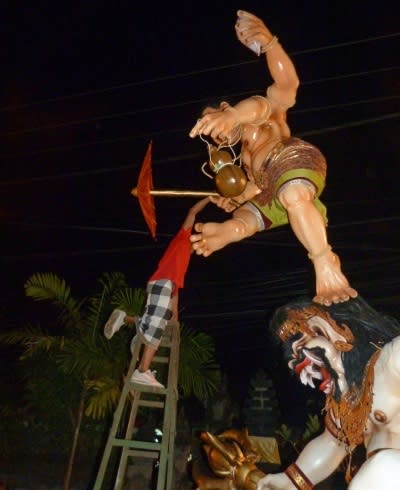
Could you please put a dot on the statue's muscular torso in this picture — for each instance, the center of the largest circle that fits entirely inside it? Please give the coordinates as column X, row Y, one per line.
column 383, row 426
column 258, row 141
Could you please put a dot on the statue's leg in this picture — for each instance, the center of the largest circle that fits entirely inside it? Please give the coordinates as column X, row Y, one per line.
column 309, row 227
column 378, row 472
column 211, row 237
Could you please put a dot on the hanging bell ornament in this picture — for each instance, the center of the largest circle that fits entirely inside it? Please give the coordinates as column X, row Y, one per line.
column 230, row 179
column 218, row 159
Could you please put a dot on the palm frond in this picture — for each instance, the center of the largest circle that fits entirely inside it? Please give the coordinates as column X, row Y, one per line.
column 112, row 281
column 196, row 346
column 115, row 293
column 33, row 340
column 89, row 359
column 103, row 395
column 98, row 303
column 94, row 314
column 50, row 287
column 313, row 426
column 285, row 432
column 198, row 372
column 129, row 300
column 81, row 358
column 202, row 380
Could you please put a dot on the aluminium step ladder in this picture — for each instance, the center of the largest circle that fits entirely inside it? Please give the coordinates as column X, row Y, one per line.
column 134, row 396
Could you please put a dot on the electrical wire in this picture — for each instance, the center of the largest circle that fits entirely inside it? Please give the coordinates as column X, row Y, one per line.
column 193, row 72
column 204, row 100
column 182, row 157
column 155, row 245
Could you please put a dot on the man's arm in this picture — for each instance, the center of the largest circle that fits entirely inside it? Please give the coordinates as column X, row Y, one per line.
column 193, row 212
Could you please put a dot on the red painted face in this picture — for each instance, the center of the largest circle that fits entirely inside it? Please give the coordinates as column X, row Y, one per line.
column 315, row 358
column 312, row 369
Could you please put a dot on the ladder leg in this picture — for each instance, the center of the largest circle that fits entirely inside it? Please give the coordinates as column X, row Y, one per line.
column 116, row 423
column 174, row 371
column 113, row 431
column 146, row 396
column 166, row 467
column 171, row 446
column 128, row 435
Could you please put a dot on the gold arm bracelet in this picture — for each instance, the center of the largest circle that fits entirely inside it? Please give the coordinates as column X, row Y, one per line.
column 270, row 45
column 298, row 478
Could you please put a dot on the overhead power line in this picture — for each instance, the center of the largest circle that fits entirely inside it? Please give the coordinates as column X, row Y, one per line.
column 154, row 245
column 192, row 73
column 350, row 124
column 152, row 135
column 204, row 100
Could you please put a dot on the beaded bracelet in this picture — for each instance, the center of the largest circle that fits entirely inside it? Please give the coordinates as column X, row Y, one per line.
column 270, row 45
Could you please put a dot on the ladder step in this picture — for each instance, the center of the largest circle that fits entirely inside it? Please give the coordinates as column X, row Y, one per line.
column 166, row 344
column 133, row 444
column 143, row 454
column 161, row 359
column 151, row 403
column 149, row 389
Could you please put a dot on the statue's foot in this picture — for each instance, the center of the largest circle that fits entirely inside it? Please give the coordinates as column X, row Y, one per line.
column 210, row 237
column 331, row 284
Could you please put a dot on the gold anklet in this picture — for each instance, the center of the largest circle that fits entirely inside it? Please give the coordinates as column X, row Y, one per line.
column 320, row 254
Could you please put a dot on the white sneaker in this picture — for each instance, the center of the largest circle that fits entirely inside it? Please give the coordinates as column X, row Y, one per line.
column 145, row 378
column 114, row 323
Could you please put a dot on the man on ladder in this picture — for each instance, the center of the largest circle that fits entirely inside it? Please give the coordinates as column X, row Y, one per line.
column 162, row 298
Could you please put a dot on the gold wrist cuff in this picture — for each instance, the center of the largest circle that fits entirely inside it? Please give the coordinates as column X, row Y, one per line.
column 298, row 478
column 270, row 45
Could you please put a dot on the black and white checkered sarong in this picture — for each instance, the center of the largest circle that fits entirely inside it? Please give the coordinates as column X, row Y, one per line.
column 157, row 312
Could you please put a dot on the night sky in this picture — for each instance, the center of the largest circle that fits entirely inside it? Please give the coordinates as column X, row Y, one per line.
column 87, row 85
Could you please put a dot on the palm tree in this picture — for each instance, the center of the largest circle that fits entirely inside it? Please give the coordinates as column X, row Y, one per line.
column 86, row 369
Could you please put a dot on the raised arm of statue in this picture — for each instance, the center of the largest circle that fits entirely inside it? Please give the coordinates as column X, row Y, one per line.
column 254, row 34
column 221, row 124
